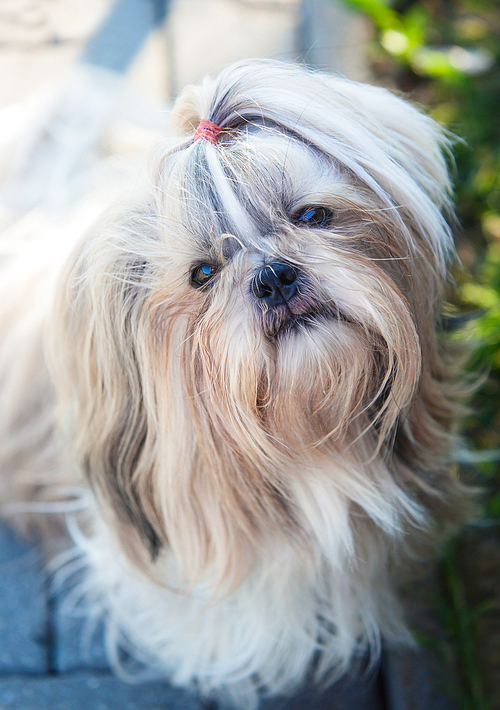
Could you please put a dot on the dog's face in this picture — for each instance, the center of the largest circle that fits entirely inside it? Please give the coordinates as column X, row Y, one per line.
column 269, row 324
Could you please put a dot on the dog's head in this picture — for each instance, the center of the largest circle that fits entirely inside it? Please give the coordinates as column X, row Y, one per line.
column 265, row 321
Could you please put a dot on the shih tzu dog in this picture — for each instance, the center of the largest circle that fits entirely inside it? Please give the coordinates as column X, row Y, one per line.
column 242, row 363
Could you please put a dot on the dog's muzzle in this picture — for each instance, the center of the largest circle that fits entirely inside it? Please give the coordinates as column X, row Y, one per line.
column 283, row 299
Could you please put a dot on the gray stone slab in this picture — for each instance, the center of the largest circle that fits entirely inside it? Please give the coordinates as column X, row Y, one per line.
column 87, row 691
column 23, row 608
column 77, row 645
column 77, row 638
column 424, row 678
column 363, row 692
column 415, row 680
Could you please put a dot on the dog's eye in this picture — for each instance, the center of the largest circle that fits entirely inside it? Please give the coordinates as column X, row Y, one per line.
column 202, row 274
column 314, row 217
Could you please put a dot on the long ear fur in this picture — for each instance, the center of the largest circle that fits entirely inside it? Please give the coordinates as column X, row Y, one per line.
column 99, row 362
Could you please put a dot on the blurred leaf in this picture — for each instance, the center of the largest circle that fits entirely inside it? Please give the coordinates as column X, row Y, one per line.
column 481, row 296
column 437, row 63
column 382, row 15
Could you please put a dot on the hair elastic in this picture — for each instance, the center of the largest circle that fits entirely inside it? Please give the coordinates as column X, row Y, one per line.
column 208, row 130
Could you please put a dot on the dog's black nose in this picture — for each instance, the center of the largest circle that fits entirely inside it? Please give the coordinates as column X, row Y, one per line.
column 275, row 283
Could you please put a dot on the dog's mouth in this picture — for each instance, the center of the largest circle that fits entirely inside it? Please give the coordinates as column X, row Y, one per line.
column 293, row 318
column 286, row 301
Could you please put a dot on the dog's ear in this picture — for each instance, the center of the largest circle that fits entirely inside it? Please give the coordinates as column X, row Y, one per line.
column 190, row 107
column 411, row 138
column 97, row 359
column 185, row 114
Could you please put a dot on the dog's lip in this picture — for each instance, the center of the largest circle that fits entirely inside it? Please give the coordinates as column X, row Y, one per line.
column 297, row 320
column 305, row 318
column 312, row 316
column 305, row 309
column 299, row 305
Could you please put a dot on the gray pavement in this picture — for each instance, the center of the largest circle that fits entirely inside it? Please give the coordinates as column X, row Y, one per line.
column 48, row 660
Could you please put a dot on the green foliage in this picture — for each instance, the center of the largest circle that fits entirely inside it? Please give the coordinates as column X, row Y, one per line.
column 484, row 424
column 459, row 619
column 405, row 36
column 484, row 293
column 432, row 44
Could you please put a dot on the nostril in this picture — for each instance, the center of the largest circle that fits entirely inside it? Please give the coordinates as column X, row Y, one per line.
column 286, row 274
column 265, row 291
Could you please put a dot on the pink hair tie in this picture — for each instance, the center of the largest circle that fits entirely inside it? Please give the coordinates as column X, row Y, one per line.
column 208, row 130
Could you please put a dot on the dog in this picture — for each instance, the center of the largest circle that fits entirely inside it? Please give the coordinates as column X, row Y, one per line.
column 236, row 380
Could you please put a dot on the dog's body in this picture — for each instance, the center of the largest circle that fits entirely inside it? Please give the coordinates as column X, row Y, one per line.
column 244, row 368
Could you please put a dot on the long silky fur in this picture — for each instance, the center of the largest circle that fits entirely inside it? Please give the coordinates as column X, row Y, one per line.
column 256, row 488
